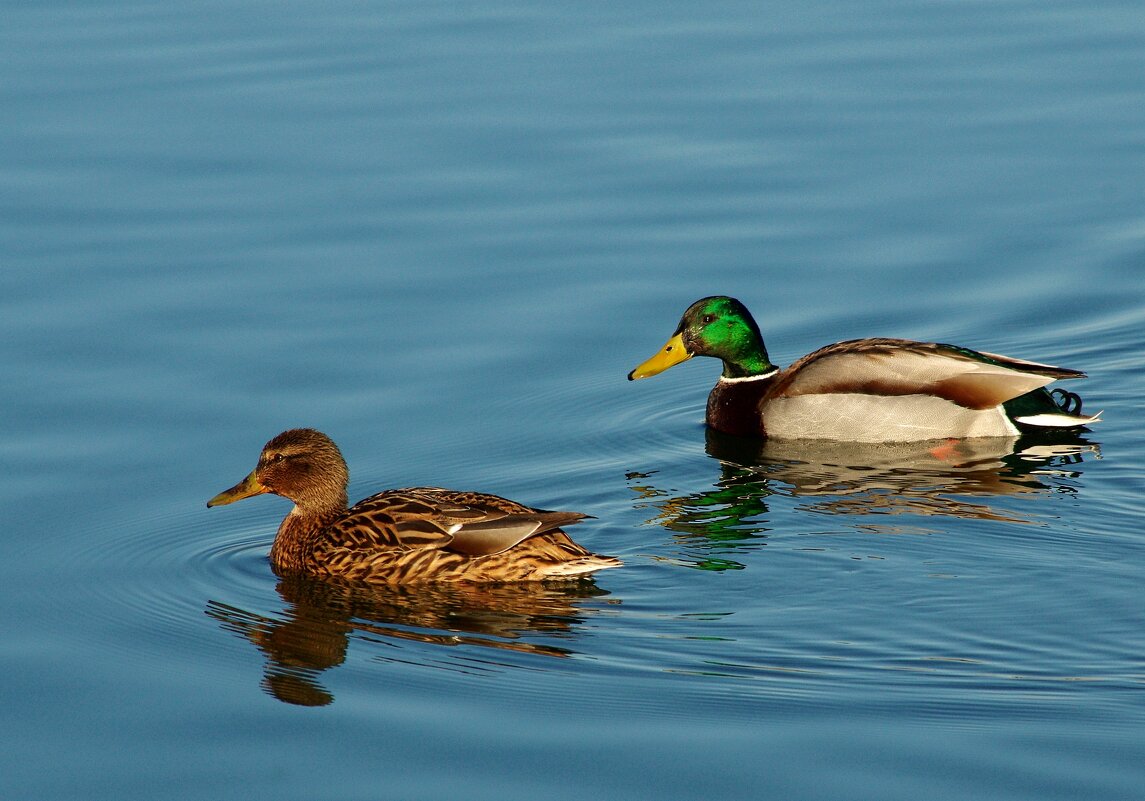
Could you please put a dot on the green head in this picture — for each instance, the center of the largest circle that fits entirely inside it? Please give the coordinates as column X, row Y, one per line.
column 718, row 326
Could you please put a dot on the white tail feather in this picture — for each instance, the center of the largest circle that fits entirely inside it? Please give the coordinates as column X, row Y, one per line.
column 1054, row 420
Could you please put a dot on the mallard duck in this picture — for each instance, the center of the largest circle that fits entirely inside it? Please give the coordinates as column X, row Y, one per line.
column 864, row 390
column 402, row 535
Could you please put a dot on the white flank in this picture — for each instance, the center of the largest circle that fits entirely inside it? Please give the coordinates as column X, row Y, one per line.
column 858, row 417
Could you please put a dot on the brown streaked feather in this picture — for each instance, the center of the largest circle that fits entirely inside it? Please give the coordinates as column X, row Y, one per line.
column 542, row 556
column 423, row 533
column 413, row 534
column 429, row 517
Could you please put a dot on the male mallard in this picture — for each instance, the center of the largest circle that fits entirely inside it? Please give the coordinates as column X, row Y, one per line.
column 404, row 535
column 864, row 390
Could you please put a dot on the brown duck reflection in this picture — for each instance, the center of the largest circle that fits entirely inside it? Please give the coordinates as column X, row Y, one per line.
column 954, row 478
column 314, row 631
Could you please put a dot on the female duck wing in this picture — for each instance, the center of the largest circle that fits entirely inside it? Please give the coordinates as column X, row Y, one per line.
column 498, row 535
column 470, row 523
column 962, row 376
column 481, row 524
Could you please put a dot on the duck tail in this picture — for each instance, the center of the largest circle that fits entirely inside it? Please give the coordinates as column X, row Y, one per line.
column 1056, row 409
column 580, row 567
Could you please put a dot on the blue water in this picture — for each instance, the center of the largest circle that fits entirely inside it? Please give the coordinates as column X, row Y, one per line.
column 443, row 233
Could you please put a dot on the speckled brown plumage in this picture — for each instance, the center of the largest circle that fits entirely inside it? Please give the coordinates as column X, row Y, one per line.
column 403, row 535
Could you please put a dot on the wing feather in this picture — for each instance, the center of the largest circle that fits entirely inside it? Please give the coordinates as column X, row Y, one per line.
column 471, row 523
column 901, row 367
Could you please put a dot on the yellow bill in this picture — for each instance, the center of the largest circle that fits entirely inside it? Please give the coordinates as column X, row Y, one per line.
column 671, row 354
column 244, row 489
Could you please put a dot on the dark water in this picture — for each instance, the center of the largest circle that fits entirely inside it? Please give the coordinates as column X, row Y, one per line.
column 443, row 233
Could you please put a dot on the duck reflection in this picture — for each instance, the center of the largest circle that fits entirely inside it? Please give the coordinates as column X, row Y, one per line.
column 954, row 478
column 320, row 618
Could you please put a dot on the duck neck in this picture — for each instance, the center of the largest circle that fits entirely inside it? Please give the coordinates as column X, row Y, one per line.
column 740, row 347
column 296, row 536
column 752, row 363
column 734, row 403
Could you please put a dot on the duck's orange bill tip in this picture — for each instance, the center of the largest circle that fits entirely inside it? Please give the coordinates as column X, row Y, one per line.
column 246, row 488
column 671, row 354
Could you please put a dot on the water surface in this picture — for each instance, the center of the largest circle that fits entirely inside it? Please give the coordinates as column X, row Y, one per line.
column 443, row 233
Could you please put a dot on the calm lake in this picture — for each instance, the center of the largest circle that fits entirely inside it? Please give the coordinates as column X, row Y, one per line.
column 443, row 233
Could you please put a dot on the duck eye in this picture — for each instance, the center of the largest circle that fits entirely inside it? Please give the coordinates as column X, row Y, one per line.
column 708, row 318
column 275, row 457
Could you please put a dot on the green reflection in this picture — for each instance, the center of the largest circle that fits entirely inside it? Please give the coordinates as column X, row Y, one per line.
column 951, row 478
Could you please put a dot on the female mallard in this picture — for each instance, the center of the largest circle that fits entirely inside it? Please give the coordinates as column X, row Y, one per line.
column 404, row 535
column 864, row 390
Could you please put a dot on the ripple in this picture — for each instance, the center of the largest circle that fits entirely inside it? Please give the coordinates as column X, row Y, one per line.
column 175, row 579
column 170, row 584
column 616, row 418
column 157, row 571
